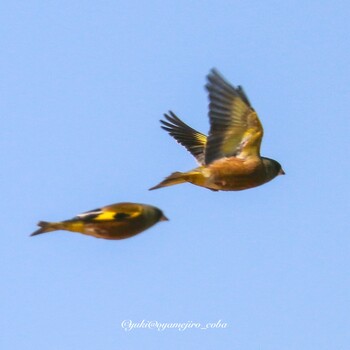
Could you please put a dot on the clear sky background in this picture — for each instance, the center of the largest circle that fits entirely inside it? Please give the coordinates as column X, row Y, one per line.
column 83, row 86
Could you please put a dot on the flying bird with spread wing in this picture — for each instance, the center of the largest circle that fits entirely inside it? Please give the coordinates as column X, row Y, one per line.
column 229, row 158
column 115, row 221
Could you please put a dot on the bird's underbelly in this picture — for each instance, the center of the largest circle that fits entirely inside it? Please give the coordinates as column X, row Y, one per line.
column 234, row 183
column 114, row 230
column 235, row 176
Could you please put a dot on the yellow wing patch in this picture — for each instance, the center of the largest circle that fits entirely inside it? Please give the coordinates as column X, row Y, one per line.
column 119, row 212
column 116, row 215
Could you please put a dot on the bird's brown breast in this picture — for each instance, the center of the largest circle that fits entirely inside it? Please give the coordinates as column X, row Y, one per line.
column 235, row 174
column 115, row 229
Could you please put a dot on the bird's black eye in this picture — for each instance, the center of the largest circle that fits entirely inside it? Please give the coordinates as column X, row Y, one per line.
column 121, row 216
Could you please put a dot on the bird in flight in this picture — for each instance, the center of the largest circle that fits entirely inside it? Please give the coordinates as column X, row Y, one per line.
column 229, row 157
column 115, row 221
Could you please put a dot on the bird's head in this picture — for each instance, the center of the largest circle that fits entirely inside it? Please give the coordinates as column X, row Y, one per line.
column 273, row 168
column 154, row 214
column 161, row 216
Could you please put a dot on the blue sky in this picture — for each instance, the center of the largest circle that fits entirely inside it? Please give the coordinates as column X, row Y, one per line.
column 83, row 86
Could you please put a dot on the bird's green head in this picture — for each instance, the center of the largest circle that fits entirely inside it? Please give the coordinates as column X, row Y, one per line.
column 160, row 215
column 272, row 168
column 153, row 214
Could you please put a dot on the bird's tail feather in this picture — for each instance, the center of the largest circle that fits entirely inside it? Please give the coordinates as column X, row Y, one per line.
column 173, row 179
column 194, row 176
column 45, row 227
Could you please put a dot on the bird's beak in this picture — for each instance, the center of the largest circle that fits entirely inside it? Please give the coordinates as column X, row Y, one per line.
column 163, row 218
column 281, row 172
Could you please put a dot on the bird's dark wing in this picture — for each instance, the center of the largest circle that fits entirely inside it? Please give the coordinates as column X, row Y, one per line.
column 115, row 212
column 235, row 129
column 191, row 139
